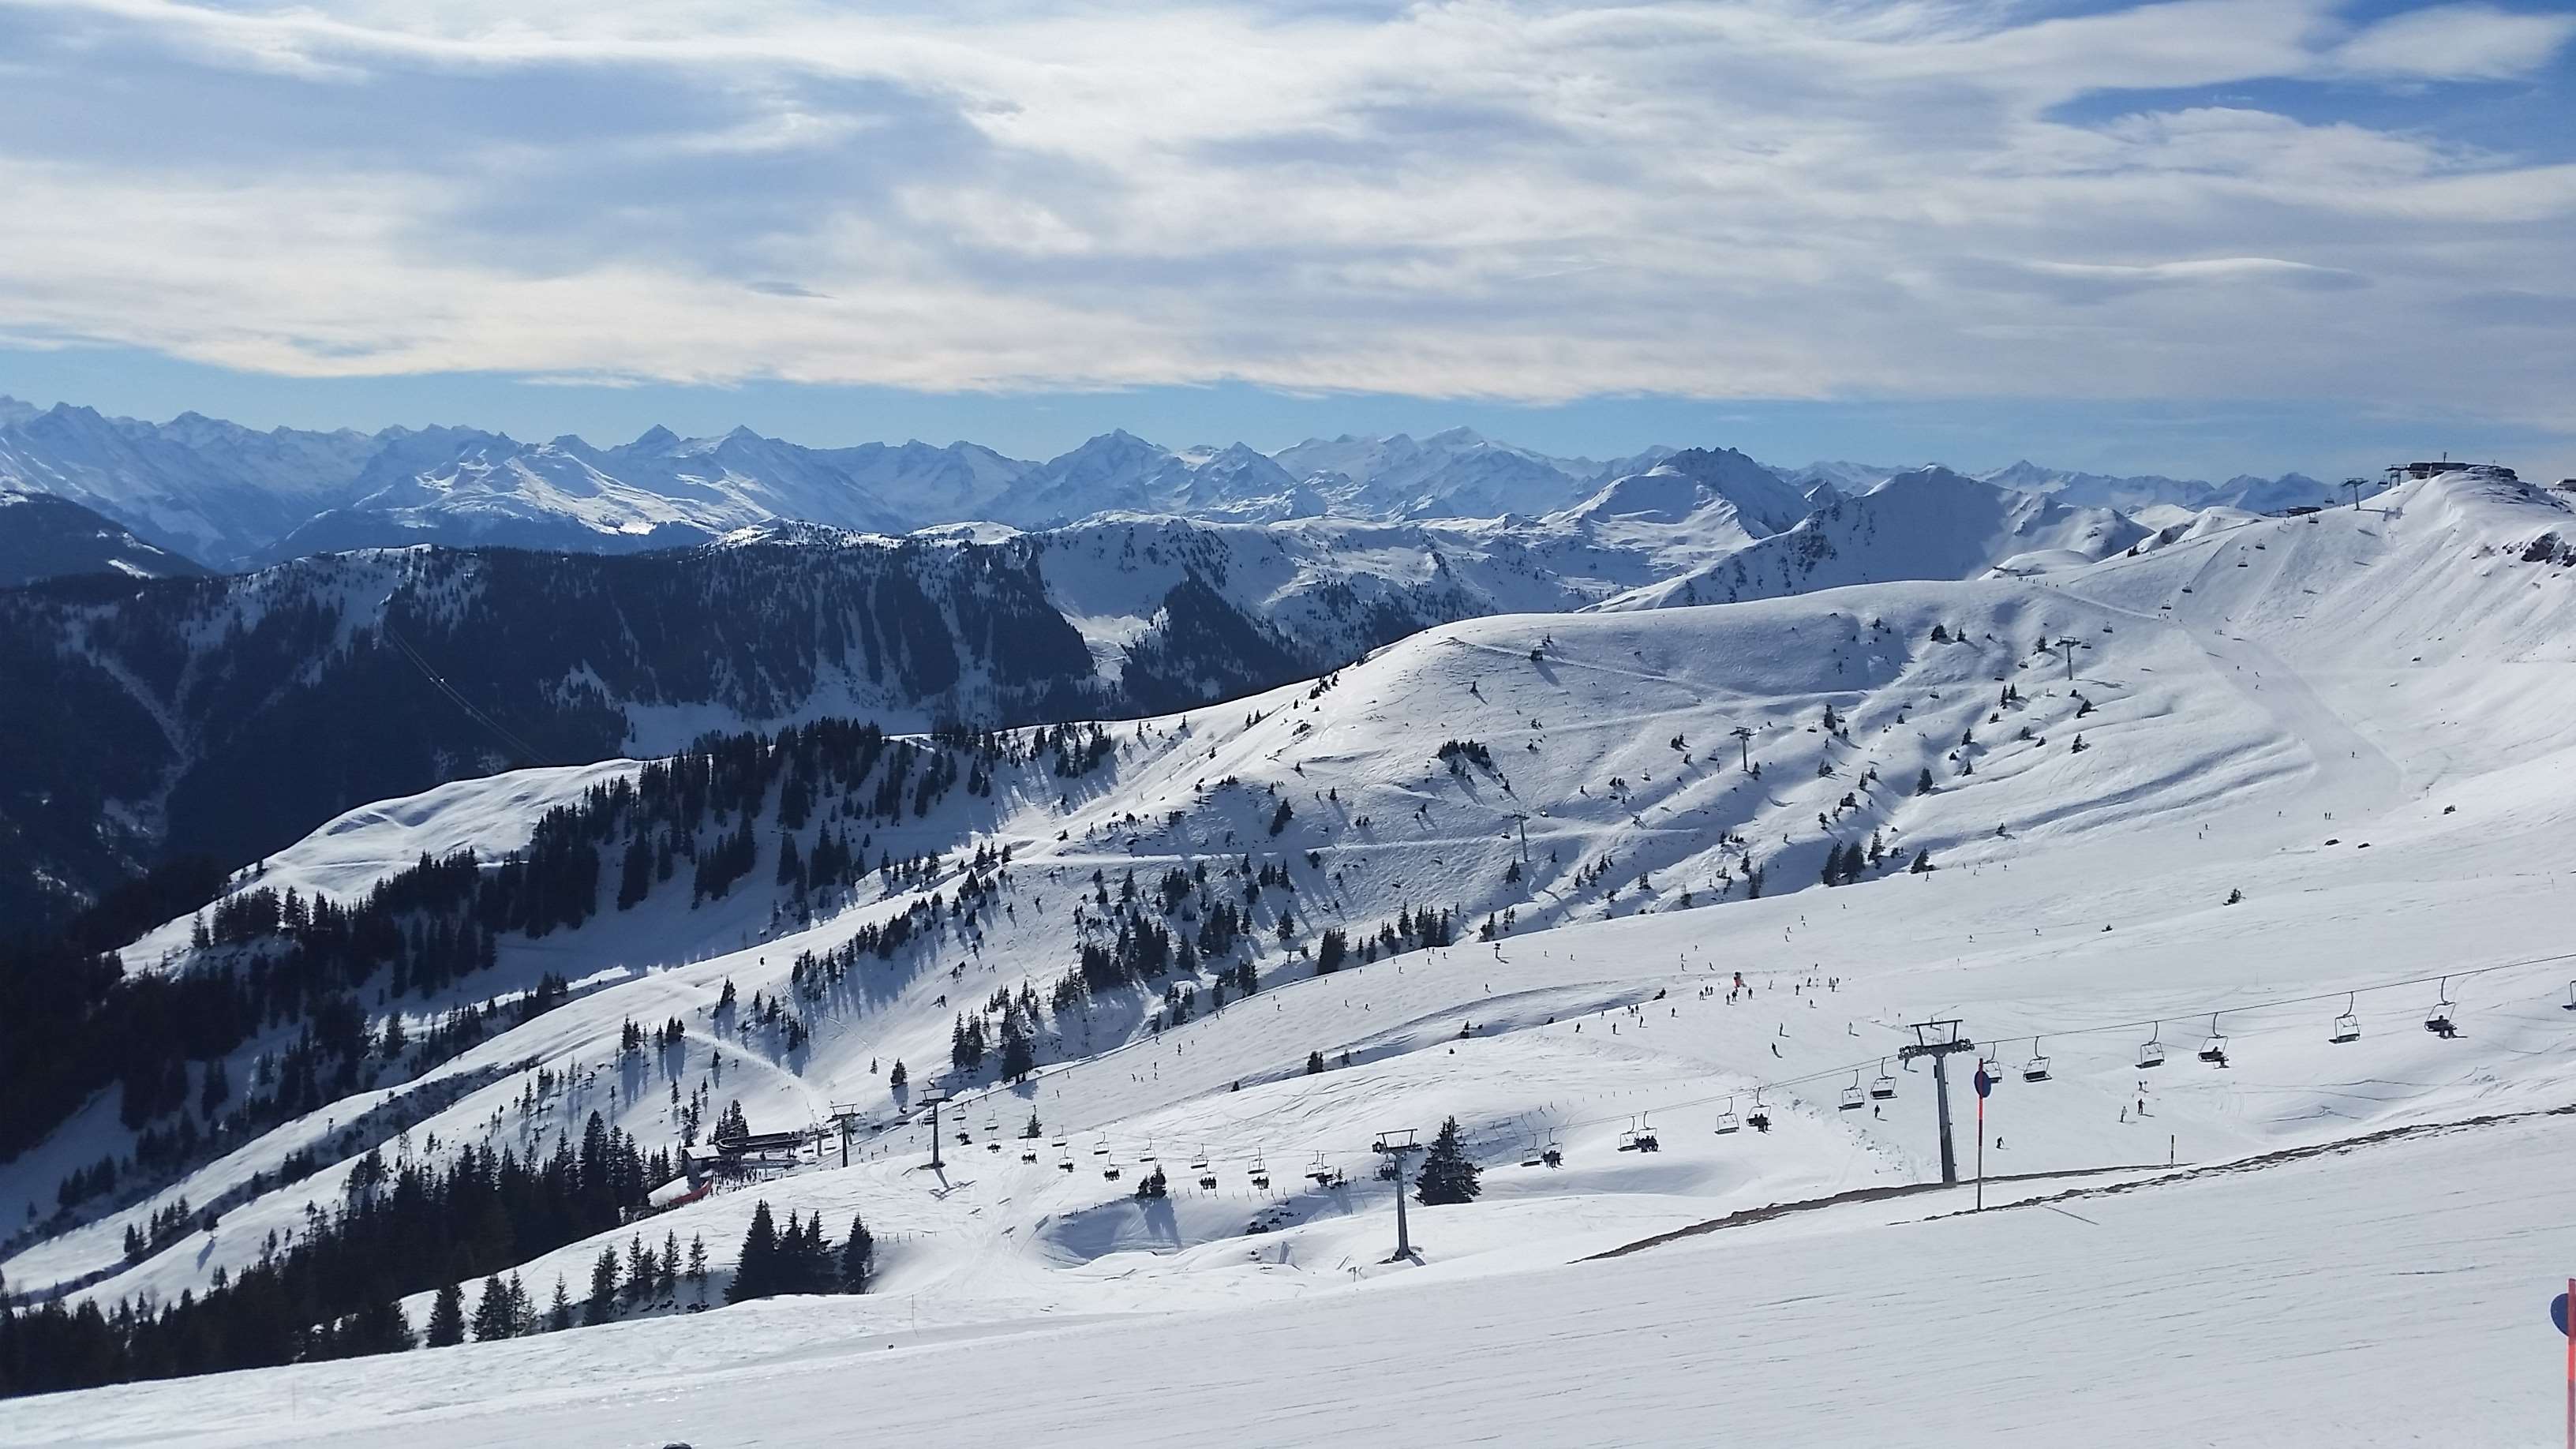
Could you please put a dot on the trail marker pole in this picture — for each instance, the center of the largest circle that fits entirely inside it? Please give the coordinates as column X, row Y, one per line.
column 1985, row 1088
column 2564, row 1326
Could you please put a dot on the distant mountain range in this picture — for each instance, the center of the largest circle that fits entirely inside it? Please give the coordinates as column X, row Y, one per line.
column 230, row 497
column 2101, row 490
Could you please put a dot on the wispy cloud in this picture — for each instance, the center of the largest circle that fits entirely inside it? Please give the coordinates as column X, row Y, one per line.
column 1541, row 201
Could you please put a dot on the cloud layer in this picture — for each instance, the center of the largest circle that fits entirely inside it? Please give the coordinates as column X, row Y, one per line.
column 1748, row 198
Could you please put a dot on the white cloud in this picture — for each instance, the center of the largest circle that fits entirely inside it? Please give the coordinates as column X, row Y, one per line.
column 1524, row 200
column 2457, row 42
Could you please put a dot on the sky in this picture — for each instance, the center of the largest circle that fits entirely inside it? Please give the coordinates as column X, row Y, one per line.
column 2197, row 237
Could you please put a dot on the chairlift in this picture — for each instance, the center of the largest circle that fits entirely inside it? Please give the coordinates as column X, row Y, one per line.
column 1148, row 1154
column 1100, row 1148
column 1200, row 1162
column 1260, row 1172
column 1111, row 1171
column 1551, row 1154
column 1726, row 1120
column 1853, row 1098
column 1647, row 1141
column 2438, row 1020
column 1760, row 1117
column 2347, row 1027
column 1321, row 1175
column 2151, row 1052
column 2570, row 1003
column 1028, row 1154
column 2036, row 1069
column 2215, row 1048
column 1882, row 1088
column 1064, row 1163
column 1207, row 1180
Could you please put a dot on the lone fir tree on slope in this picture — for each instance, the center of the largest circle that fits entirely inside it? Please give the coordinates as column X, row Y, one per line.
column 1447, row 1174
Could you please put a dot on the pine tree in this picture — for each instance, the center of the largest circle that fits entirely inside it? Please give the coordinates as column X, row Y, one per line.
column 492, row 1311
column 897, row 1077
column 1314, row 1063
column 1922, row 863
column 559, row 1313
column 1923, row 782
column 447, row 1317
column 601, row 1306
column 1447, row 1175
column 858, row 1257
column 757, row 1270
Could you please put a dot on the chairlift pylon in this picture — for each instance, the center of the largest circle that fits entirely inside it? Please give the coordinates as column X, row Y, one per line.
column 2347, row 1027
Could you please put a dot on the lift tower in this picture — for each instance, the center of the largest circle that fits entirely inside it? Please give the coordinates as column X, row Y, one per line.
column 1937, row 1040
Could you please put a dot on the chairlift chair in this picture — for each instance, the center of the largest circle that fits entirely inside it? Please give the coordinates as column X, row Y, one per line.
column 1064, row 1163
column 2215, row 1048
column 2438, row 1020
column 1260, row 1172
column 1647, row 1141
column 1853, row 1098
column 1028, row 1154
column 2347, row 1027
column 1111, row 1171
column 2570, row 1003
column 2151, row 1052
column 1882, row 1088
column 1551, row 1154
column 2036, row 1069
column 1726, row 1120
column 1760, row 1118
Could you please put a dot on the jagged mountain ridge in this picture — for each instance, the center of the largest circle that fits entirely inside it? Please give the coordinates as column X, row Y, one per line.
column 233, row 497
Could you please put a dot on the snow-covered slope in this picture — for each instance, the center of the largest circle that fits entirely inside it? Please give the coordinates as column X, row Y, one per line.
column 2286, row 1306
column 2320, row 759
column 43, row 536
column 1927, row 524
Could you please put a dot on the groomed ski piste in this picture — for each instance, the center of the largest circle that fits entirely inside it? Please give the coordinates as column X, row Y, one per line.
column 2324, row 776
